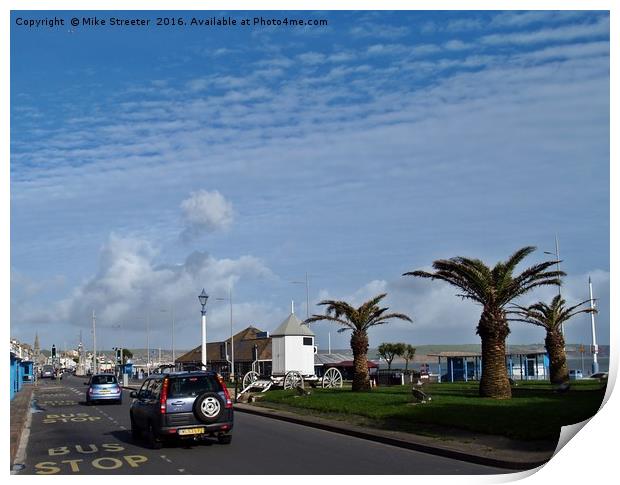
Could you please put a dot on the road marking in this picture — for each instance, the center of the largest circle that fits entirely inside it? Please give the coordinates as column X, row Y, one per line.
column 116, row 463
column 164, row 457
column 101, row 463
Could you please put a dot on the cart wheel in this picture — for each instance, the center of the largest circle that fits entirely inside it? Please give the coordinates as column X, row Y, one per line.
column 332, row 378
column 250, row 377
column 293, row 379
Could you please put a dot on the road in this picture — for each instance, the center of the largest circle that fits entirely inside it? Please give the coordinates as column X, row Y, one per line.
column 68, row 437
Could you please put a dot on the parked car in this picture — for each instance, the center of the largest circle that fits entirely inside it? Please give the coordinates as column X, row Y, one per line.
column 575, row 374
column 103, row 387
column 183, row 405
column 47, row 371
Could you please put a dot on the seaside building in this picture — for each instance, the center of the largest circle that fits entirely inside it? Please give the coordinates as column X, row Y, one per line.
column 467, row 366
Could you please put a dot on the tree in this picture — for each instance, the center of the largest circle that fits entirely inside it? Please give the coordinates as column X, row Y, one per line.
column 551, row 317
column 127, row 354
column 493, row 289
column 389, row 351
column 408, row 354
column 359, row 320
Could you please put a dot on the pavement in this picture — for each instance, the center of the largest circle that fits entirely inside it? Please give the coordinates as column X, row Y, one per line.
column 481, row 449
column 19, row 413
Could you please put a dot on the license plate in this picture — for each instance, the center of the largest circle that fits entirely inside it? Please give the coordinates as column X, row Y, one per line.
column 104, row 391
column 191, row 431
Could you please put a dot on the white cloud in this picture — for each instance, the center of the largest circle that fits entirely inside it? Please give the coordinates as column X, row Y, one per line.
column 519, row 19
column 205, row 212
column 130, row 284
column 311, row 58
column 456, row 45
column 559, row 34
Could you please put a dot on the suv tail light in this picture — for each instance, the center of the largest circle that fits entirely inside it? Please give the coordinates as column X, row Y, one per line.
column 229, row 403
column 164, row 396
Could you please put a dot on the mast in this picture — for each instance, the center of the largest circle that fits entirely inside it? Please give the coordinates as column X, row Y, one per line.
column 594, row 345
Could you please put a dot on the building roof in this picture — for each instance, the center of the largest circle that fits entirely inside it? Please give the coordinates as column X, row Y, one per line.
column 534, row 351
column 244, row 344
column 292, row 326
column 323, row 359
column 455, row 354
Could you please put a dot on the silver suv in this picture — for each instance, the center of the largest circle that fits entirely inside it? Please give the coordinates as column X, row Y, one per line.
column 183, row 405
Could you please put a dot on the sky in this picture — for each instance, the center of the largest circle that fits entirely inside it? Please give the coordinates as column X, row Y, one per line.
column 150, row 162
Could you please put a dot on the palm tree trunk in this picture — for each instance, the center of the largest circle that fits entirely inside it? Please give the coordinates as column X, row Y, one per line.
column 493, row 330
column 359, row 346
column 558, row 369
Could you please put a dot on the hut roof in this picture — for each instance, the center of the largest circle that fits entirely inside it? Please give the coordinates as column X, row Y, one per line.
column 292, row 326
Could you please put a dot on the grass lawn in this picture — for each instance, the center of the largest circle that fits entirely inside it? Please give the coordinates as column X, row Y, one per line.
column 535, row 412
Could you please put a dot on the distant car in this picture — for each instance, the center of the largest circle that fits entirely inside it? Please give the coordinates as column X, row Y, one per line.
column 47, row 371
column 103, row 387
column 185, row 405
column 575, row 374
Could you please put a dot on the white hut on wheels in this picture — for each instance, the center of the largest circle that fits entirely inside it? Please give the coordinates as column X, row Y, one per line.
column 292, row 348
column 292, row 364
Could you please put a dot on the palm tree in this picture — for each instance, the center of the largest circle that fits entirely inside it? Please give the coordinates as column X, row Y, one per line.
column 493, row 288
column 551, row 317
column 359, row 320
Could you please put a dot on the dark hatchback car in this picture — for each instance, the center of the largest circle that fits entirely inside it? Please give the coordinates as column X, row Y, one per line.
column 182, row 405
column 47, row 371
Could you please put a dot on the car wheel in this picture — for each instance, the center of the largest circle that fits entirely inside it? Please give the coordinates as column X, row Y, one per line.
column 120, row 401
column 153, row 441
column 224, row 439
column 208, row 407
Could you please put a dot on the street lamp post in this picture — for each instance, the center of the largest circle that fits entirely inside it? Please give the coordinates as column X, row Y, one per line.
column 202, row 298
column 148, row 344
column 232, row 342
column 172, row 315
column 94, row 343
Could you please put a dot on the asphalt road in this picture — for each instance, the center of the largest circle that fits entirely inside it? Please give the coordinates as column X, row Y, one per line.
column 68, row 437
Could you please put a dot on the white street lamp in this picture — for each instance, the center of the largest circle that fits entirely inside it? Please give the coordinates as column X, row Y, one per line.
column 148, row 343
column 172, row 315
column 232, row 342
column 202, row 298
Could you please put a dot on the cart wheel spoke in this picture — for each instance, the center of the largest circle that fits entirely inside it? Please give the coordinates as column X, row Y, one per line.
column 250, row 377
column 293, row 379
column 332, row 378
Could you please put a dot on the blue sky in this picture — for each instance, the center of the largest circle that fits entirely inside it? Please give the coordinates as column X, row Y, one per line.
column 147, row 163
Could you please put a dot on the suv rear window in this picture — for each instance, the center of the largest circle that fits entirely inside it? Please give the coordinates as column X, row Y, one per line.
column 192, row 386
column 103, row 380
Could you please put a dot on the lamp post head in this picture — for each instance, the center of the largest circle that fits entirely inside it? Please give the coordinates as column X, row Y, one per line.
column 203, row 297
